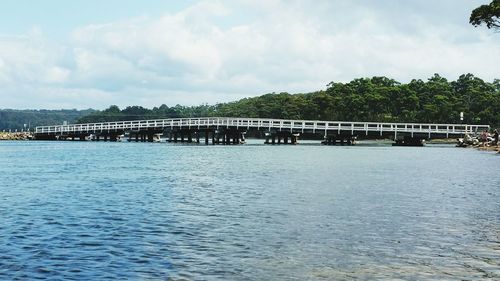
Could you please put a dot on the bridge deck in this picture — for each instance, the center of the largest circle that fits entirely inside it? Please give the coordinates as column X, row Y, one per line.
column 266, row 124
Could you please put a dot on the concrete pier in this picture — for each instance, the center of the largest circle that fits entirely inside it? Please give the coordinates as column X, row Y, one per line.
column 281, row 137
column 224, row 136
column 141, row 136
column 339, row 139
column 408, row 141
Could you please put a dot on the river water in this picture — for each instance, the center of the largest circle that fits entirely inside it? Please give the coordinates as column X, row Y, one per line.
column 157, row 211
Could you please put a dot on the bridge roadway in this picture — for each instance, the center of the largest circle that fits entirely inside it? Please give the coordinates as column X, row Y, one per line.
column 225, row 130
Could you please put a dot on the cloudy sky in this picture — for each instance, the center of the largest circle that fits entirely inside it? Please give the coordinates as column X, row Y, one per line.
column 93, row 53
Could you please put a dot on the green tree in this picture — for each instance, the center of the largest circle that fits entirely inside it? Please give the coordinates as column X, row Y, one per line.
column 487, row 14
column 378, row 99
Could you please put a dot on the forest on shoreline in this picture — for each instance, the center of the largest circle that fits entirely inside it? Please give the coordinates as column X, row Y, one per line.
column 28, row 119
column 377, row 99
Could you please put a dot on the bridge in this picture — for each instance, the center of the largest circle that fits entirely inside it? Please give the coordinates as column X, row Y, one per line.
column 227, row 130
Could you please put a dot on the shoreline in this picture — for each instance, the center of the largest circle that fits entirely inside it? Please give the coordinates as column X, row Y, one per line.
column 25, row 136
column 488, row 148
column 4, row 136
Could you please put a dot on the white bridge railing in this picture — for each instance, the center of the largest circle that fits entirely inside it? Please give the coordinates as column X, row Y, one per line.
column 260, row 123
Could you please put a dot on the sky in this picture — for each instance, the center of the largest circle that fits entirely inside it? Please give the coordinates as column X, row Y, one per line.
column 92, row 54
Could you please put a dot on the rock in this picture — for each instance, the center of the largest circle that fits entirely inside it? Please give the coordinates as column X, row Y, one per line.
column 16, row 136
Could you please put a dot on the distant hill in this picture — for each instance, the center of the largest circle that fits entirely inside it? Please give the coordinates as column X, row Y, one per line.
column 13, row 119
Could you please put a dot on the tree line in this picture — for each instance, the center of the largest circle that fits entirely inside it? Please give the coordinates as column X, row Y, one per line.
column 378, row 99
column 13, row 119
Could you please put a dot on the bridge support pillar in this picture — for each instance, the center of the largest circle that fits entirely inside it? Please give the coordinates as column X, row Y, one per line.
column 340, row 139
column 330, row 140
column 216, row 137
column 224, row 136
column 281, row 137
column 408, row 141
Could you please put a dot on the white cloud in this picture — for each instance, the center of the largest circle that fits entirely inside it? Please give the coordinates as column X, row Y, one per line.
column 56, row 74
column 218, row 51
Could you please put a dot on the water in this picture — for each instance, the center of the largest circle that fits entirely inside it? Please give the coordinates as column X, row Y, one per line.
column 140, row 211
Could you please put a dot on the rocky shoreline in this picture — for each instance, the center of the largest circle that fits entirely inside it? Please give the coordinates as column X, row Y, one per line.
column 489, row 148
column 16, row 136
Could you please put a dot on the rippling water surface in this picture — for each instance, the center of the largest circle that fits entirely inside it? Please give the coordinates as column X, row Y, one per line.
column 140, row 211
